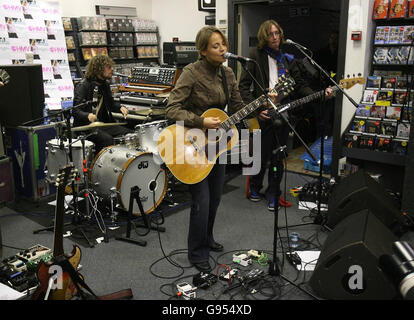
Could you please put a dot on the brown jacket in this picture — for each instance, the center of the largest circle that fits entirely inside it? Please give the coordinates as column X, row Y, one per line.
column 200, row 88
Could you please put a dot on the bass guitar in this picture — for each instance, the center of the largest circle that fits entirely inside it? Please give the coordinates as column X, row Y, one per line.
column 190, row 154
column 68, row 289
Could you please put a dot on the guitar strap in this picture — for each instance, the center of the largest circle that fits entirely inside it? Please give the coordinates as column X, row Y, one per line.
column 80, row 283
column 226, row 88
column 77, row 280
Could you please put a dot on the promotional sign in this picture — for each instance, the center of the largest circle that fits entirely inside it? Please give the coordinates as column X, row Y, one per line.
column 33, row 29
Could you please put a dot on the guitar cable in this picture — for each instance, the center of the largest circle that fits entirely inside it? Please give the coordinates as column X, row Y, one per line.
column 165, row 256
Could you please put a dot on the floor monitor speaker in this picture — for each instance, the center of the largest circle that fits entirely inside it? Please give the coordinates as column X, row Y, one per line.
column 347, row 268
column 358, row 192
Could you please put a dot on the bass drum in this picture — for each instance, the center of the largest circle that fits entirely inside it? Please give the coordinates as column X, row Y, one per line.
column 116, row 169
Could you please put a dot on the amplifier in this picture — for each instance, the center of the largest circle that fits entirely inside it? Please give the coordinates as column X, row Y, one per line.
column 179, row 53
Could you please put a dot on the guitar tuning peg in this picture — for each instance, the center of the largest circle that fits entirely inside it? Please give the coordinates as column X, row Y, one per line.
column 359, row 74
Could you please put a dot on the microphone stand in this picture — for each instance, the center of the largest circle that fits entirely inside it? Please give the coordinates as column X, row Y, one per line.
column 274, row 269
column 319, row 219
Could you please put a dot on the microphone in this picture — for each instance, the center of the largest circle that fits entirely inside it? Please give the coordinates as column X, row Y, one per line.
column 296, row 44
column 229, row 55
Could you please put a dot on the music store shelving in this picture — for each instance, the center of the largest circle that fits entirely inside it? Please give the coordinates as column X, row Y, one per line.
column 390, row 160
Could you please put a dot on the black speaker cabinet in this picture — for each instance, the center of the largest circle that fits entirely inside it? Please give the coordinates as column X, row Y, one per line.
column 358, row 192
column 357, row 242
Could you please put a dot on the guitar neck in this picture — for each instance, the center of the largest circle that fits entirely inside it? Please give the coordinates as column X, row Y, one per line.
column 294, row 104
column 242, row 113
column 59, row 212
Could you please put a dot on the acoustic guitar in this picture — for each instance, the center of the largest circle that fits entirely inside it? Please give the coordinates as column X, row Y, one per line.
column 65, row 176
column 253, row 124
column 190, row 154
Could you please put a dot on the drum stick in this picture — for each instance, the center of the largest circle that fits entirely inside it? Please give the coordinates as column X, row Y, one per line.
column 129, row 116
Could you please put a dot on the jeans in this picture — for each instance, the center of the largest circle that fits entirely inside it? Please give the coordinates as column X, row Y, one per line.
column 206, row 196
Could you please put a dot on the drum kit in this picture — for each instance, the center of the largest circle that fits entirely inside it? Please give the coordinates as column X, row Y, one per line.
column 132, row 161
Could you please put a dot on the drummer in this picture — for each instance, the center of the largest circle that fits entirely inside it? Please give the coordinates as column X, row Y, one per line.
column 95, row 86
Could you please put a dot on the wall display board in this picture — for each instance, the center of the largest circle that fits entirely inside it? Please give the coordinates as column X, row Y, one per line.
column 35, row 27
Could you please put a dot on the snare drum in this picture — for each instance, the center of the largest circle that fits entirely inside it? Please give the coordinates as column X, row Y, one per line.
column 148, row 134
column 57, row 157
column 130, row 140
column 117, row 169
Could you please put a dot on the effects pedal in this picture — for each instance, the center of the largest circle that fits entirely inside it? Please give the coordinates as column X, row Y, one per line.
column 204, row 280
column 225, row 276
column 33, row 253
column 252, row 274
column 187, row 290
column 242, row 259
column 15, row 263
column 293, row 258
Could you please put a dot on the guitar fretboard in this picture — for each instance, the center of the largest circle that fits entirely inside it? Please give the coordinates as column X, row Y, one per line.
column 242, row 113
column 299, row 102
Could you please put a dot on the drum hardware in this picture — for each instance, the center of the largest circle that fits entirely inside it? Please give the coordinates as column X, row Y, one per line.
column 134, row 195
column 77, row 217
column 112, row 198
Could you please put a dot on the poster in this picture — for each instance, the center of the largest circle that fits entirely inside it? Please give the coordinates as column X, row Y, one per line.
column 33, row 26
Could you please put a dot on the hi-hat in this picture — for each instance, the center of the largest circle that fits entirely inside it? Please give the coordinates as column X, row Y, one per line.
column 98, row 124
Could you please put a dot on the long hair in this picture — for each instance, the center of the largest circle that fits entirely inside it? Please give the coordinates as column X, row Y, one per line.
column 96, row 66
column 264, row 31
column 203, row 37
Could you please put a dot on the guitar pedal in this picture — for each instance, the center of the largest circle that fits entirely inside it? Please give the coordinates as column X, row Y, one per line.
column 17, row 264
column 33, row 253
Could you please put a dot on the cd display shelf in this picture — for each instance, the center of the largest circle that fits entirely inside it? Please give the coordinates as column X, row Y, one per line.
column 121, row 45
column 394, row 167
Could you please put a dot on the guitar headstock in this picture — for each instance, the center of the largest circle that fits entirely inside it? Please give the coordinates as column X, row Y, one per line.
column 350, row 82
column 284, row 85
column 66, row 175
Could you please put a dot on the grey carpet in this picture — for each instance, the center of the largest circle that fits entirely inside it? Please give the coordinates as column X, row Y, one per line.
column 240, row 225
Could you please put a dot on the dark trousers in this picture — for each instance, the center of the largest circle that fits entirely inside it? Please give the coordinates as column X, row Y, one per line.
column 206, row 196
column 269, row 143
column 104, row 137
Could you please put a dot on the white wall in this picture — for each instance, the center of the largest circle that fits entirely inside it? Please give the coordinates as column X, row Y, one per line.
column 78, row 8
column 177, row 18
column 358, row 53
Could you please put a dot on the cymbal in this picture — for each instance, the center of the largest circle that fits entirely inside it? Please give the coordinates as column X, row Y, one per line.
column 98, row 124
